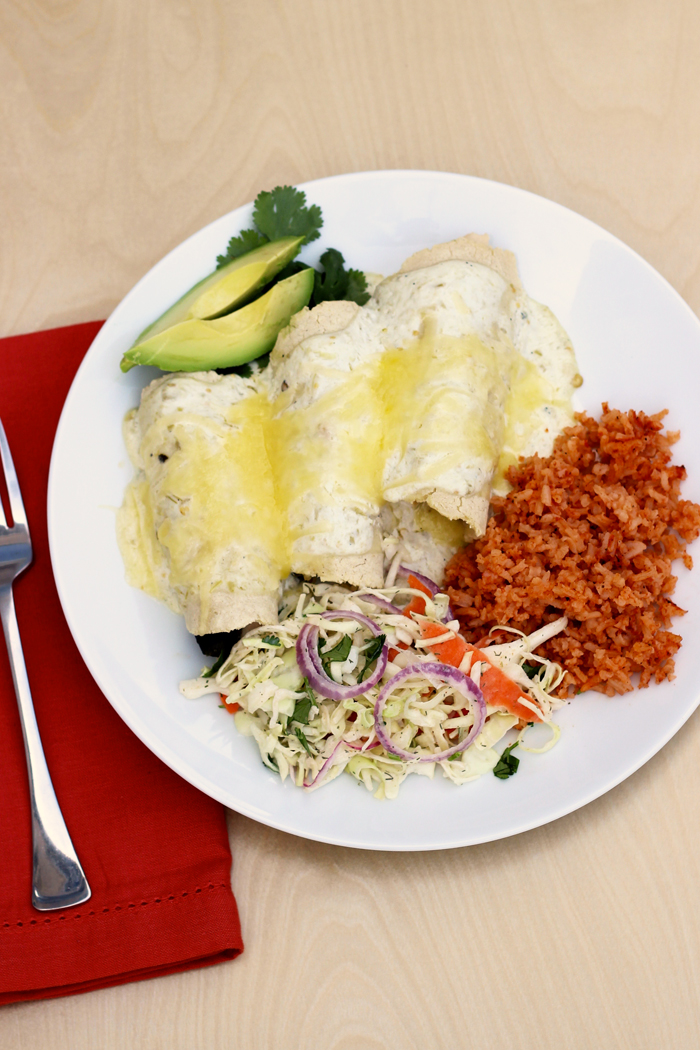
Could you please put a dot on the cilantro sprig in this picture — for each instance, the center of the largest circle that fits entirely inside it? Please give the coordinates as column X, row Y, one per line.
column 282, row 212
column 301, row 736
column 338, row 283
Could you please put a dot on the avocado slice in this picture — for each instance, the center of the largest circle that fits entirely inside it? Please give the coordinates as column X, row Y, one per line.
column 228, row 287
column 197, row 345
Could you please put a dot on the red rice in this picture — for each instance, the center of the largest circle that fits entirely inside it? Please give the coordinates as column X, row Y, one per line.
column 592, row 532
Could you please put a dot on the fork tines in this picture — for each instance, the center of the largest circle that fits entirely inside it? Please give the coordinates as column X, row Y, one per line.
column 16, row 506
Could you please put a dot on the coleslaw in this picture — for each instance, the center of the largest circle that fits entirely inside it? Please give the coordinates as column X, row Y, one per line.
column 350, row 681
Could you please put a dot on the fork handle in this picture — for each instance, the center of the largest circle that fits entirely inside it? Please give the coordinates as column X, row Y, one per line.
column 58, row 879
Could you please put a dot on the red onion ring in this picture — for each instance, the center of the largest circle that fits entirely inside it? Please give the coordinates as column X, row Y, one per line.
column 441, row 672
column 307, row 656
column 310, row 662
column 383, row 603
column 347, row 614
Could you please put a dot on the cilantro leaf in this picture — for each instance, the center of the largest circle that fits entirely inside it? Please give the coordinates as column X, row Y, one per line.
column 338, row 283
column 341, row 651
column 302, row 738
column 221, row 659
column 330, row 284
column 244, row 242
column 356, row 290
column 371, row 653
column 338, row 653
column 531, row 670
column 302, row 708
column 271, row 639
column 283, row 212
column 507, row 764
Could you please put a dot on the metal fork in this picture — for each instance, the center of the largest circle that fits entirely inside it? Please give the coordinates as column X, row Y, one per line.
column 58, row 879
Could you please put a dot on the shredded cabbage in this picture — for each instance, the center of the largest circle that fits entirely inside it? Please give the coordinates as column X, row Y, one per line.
column 311, row 739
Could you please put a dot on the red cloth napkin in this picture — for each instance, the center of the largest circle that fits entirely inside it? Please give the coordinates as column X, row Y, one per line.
column 154, row 849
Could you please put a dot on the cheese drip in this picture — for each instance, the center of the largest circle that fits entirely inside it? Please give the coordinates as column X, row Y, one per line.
column 443, row 399
column 219, row 520
column 145, row 564
column 326, row 458
column 534, row 415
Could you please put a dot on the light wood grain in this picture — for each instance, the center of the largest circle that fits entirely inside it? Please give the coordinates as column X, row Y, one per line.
column 126, row 126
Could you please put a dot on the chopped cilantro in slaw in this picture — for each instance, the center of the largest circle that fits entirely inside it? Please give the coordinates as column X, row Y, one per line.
column 450, row 705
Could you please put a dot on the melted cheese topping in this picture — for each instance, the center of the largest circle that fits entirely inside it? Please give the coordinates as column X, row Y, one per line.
column 224, row 513
column 327, row 460
column 429, row 393
column 199, row 525
column 529, row 395
column 535, row 412
column 443, row 399
column 144, row 561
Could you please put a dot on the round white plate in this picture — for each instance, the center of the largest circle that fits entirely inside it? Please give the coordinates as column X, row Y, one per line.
column 638, row 346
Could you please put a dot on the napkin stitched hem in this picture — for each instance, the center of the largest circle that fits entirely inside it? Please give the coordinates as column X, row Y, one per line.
column 172, row 898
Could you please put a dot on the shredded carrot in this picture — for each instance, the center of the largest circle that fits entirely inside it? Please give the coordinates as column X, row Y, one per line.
column 499, row 690
column 452, row 651
column 416, row 604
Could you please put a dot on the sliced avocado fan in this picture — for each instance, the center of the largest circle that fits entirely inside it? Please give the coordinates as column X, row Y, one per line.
column 199, row 345
column 228, row 287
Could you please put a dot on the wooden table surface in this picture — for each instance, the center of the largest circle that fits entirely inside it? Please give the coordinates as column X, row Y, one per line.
column 126, row 126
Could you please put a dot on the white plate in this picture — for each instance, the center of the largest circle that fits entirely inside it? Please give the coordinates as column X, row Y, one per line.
column 638, row 346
